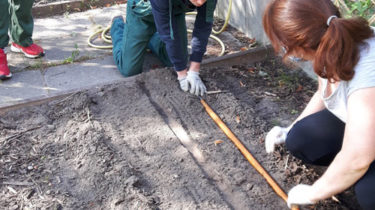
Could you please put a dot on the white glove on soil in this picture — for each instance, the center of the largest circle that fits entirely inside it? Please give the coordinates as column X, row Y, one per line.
column 300, row 195
column 277, row 135
column 196, row 85
column 184, row 84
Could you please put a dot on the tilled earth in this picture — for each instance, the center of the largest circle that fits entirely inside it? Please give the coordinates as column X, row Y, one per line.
column 144, row 144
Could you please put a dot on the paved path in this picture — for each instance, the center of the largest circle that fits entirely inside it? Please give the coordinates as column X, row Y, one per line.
column 65, row 38
column 61, row 37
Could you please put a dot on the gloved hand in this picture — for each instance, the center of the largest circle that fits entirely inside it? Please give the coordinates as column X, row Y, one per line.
column 196, row 85
column 184, row 84
column 277, row 135
column 300, row 195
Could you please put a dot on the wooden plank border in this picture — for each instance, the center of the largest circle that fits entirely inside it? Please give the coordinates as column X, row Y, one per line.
column 61, row 8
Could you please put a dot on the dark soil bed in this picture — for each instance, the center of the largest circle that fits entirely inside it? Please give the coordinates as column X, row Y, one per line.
column 144, row 144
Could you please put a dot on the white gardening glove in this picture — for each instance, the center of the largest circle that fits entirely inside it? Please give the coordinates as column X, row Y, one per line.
column 184, row 84
column 300, row 195
column 277, row 135
column 196, row 85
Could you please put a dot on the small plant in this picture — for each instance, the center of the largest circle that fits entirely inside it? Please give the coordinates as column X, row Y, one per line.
column 287, row 80
column 73, row 57
column 275, row 122
column 37, row 65
column 362, row 8
column 293, row 112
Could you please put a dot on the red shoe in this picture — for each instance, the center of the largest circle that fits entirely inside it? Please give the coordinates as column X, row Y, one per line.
column 32, row 51
column 4, row 69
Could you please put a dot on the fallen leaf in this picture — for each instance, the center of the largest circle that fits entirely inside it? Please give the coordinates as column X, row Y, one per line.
column 251, row 70
column 253, row 43
column 238, row 119
column 252, row 40
column 241, row 84
column 243, row 48
column 299, row 88
column 217, row 142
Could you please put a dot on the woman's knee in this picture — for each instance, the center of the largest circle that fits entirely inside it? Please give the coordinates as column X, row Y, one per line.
column 294, row 141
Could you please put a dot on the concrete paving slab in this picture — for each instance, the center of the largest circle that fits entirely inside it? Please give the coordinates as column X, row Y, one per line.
column 80, row 75
column 84, row 22
column 45, row 9
column 62, row 36
column 23, row 85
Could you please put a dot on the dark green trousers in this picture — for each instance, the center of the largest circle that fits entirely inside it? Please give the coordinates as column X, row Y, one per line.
column 131, row 39
column 15, row 17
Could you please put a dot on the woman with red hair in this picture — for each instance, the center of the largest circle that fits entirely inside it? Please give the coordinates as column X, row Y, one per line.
column 337, row 127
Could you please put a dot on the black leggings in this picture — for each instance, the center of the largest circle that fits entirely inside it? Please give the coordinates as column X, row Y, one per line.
column 317, row 138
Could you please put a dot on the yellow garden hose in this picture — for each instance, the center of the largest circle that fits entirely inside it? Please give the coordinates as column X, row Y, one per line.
column 216, row 39
column 226, row 19
column 101, row 33
column 107, row 39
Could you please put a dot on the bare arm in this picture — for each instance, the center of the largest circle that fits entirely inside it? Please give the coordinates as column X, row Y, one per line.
column 358, row 150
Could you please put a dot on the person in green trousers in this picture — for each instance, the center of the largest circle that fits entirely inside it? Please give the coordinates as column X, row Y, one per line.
column 160, row 26
column 16, row 18
column 131, row 38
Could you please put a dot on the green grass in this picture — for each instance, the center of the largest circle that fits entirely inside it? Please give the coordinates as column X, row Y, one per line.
column 73, row 57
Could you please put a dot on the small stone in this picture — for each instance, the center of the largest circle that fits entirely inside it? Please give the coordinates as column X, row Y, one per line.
column 30, row 193
column 262, row 73
column 14, row 207
column 156, row 200
column 51, row 127
column 30, row 168
column 131, row 181
column 48, row 192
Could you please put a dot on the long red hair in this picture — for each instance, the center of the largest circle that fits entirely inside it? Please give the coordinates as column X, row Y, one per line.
column 295, row 26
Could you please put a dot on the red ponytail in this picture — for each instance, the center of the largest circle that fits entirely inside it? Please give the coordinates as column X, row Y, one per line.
column 301, row 26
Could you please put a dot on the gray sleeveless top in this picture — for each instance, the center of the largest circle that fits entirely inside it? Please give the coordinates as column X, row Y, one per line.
column 364, row 77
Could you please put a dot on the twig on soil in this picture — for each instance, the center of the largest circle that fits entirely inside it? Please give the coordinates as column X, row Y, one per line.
column 21, row 133
column 88, row 115
column 18, row 183
column 216, row 92
column 270, row 94
column 334, row 198
column 12, row 190
column 286, row 162
column 38, row 189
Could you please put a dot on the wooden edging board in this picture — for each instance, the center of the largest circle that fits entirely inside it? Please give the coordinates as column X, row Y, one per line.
column 61, row 8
